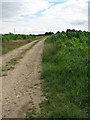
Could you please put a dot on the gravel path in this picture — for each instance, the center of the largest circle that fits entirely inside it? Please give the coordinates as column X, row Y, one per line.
column 21, row 88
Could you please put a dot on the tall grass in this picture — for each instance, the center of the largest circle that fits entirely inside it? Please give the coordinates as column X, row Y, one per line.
column 65, row 76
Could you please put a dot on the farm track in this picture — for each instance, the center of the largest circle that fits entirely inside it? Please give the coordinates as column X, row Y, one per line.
column 21, row 87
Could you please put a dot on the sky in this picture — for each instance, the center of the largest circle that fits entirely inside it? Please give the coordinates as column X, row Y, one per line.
column 89, row 17
column 40, row 16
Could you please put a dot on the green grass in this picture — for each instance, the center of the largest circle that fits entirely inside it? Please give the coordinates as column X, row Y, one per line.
column 64, row 74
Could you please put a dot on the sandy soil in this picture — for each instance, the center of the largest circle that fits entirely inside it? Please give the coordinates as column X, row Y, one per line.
column 21, row 88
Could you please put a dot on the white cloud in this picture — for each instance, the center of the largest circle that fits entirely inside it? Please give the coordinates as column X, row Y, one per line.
column 10, row 10
column 33, row 6
column 27, row 18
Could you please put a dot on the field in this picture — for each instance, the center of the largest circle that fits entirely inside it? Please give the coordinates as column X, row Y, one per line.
column 65, row 75
column 11, row 41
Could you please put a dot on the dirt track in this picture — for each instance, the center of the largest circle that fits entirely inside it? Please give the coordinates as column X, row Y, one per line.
column 15, row 52
column 21, row 88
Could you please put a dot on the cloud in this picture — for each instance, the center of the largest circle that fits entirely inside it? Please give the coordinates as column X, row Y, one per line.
column 79, row 23
column 89, row 17
column 11, row 9
column 28, row 8
column 39, row 16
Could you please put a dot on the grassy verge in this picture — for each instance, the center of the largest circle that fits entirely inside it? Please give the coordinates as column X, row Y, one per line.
column 8, row 46
column 64, row 74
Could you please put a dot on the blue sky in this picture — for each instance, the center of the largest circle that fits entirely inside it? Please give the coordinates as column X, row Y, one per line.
column 58, row 1
column 39, row 16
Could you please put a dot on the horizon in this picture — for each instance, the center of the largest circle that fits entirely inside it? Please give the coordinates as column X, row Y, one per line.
column 42, row 33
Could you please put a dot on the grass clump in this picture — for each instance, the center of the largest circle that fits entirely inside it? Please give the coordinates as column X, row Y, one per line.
column 31, row 112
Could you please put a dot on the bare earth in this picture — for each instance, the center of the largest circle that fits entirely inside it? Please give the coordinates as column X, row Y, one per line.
column 21, row 88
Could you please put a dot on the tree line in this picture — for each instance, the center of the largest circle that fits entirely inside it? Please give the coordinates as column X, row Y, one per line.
column 69, row 33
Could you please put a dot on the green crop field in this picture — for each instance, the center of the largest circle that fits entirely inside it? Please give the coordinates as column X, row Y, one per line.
column 65, row 75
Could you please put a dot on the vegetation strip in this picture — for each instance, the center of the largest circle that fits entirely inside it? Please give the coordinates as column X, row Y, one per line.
column 10, row 64
column 64, row 76
column 32, row 110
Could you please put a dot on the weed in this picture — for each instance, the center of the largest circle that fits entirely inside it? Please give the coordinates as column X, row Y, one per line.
column 36, row 84
column 31, row 112
column 4, row 74
column 31, row 87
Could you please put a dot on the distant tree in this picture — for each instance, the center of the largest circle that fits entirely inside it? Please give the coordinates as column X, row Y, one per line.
column 68, row 30
column 73, row 30
column 49, row 33
column 57, row 32
column 10, row 33
column 63, row 32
